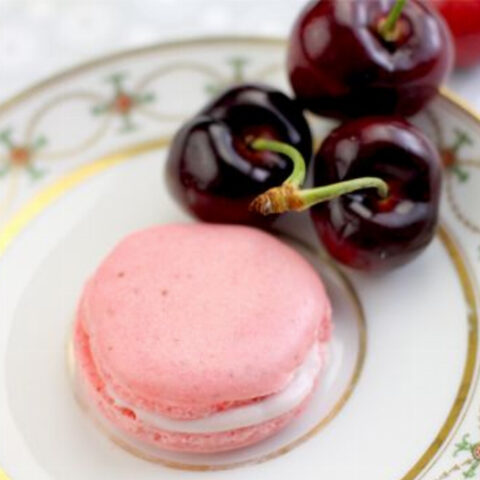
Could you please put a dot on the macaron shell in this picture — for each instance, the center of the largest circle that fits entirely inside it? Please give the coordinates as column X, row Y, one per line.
column 200, row 314
column 127, row 430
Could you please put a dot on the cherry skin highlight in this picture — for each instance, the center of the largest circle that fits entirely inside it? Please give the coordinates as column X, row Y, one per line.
column 211, row 168
column 361, row 229
column 341, row 65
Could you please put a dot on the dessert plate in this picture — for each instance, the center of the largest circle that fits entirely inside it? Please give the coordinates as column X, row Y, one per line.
column 81, row 165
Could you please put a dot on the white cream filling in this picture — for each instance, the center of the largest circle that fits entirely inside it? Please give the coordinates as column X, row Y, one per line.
column 272, row 407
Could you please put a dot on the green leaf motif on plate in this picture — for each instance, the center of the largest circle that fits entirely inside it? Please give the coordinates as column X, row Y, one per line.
column 474, row 450
column 237, row 65
column 122, row 102
column 20, row 155
column 450, row 155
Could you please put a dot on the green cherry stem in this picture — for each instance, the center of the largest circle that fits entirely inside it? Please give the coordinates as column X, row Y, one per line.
column 289, row 196
column 388, row 27
column 297, row 177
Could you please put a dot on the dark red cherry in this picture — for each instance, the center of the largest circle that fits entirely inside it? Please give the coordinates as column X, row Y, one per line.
column 342, row 63
column 361, row 229
column 212, row 169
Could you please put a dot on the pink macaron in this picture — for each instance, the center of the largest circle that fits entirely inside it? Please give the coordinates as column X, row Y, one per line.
column 200, row 338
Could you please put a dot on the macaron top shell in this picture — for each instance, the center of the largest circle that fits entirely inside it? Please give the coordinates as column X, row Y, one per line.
column 203, row 314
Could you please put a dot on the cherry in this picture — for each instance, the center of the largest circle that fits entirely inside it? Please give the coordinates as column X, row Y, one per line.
column 212, row 169
column 463, row 18
column 365, row 228
column 351, row 58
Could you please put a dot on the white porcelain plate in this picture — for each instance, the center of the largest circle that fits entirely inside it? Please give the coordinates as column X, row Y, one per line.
column 81, row 165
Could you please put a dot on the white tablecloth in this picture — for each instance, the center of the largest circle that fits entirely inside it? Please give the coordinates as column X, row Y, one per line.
column 41, row 37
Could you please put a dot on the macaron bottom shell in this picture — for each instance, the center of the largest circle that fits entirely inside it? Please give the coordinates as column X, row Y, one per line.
column 148, row 441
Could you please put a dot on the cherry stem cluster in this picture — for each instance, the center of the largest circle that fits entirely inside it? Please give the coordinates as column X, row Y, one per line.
column 290, row 197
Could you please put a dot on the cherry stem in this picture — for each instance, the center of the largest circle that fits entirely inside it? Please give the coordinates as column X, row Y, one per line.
column 297, row 177
column 289, row 196
column 312, row 196
column 387, row 27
